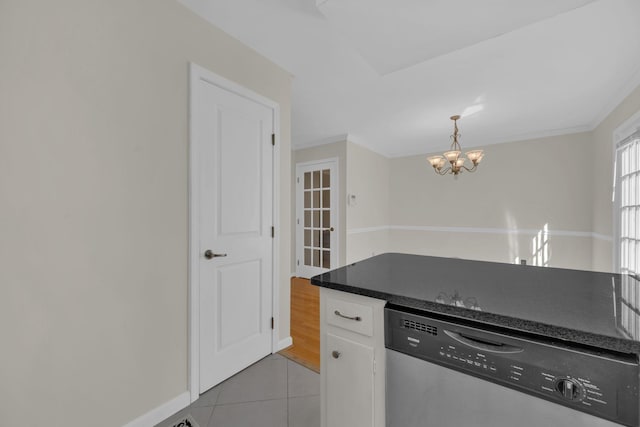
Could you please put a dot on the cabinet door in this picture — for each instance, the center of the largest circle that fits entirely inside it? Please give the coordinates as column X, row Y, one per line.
column 349, row 379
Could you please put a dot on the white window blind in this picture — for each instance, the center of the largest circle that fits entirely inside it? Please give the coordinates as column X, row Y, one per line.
column 627, row 198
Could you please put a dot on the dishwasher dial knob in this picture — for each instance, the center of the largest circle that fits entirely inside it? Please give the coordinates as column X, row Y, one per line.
column 569, row 389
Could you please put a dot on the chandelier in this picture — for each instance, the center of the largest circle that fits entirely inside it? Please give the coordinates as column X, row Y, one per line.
column 454, row 156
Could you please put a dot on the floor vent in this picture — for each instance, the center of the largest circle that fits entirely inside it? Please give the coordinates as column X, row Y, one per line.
column 187, row 421
column 420, row 327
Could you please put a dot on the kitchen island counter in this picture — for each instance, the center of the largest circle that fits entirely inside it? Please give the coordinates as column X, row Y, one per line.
column 582, row 307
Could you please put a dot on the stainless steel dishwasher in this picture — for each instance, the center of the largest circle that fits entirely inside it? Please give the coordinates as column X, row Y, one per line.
column 447, row 374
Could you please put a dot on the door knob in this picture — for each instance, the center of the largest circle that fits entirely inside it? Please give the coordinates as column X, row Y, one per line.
column 335, row 354
column 208, row 254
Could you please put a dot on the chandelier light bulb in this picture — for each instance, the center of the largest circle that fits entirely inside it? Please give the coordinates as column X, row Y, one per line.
column 475, row 156
column 452, row 156
column 434, row 160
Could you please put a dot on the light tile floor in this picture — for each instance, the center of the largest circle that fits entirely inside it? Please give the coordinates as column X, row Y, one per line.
column 274, row 392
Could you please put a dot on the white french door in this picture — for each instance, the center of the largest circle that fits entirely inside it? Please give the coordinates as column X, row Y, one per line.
column 232, row 139
column 316, row 217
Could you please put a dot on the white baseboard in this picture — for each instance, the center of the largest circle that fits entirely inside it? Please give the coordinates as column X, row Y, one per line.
column 162, row 412
column 284, row 343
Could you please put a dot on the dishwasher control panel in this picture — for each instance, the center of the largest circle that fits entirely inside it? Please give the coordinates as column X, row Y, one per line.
column 601, row 384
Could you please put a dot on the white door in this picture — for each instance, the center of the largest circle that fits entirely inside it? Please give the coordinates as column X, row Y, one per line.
column 316, row 218
column 233, row 138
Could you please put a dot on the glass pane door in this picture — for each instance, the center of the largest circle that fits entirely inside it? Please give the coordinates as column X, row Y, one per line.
column 315, row 222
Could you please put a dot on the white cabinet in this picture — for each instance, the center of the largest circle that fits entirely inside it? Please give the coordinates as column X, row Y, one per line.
column 352, row 360
column 349, row 383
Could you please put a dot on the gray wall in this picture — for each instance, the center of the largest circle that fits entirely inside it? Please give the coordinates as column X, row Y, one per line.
column 94, row 203
column 368, row 176
column 494, row 213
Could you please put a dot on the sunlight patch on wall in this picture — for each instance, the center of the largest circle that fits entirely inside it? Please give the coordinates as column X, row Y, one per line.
column 540, row 247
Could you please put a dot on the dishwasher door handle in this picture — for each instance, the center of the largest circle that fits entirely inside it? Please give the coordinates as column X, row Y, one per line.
column 483, row 344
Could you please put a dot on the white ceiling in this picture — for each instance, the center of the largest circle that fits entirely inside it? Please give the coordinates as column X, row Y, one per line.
column 392, row 35
column 389, row 73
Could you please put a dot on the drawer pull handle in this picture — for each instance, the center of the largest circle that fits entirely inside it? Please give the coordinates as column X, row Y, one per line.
column 356, row 318
column 335, row 354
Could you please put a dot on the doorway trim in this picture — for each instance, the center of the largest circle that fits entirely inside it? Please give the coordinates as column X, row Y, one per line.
column 196, row 73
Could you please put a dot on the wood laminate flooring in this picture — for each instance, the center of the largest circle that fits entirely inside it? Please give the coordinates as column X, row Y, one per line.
column 305, row 324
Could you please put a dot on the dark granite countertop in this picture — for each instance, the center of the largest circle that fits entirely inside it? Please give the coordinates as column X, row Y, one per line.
column 595, row 309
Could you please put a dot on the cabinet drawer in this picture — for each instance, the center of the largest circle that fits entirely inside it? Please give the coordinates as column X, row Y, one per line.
column 349, row 315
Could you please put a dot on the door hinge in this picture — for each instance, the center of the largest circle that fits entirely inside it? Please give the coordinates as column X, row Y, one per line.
column 273, row 139
column 273, row 322
column 298, row 262
column 298, row 180
column 273, row 232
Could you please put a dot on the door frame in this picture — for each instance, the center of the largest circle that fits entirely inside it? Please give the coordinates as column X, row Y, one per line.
column 197, row 73
column 335, row 203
